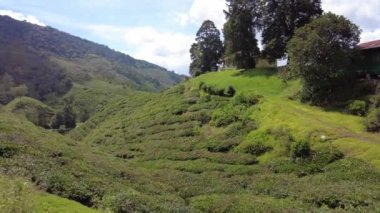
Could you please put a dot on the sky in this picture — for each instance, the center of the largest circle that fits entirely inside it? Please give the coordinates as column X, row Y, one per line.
column 159, row 31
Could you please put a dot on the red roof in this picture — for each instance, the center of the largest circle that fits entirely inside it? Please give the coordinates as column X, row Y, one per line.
column 370, row 45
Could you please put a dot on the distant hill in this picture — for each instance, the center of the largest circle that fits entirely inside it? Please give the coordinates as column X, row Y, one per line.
column 45, row 59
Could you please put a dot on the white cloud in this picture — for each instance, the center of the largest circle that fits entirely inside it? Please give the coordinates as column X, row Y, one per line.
column 363, row 13
column 202, row 10
column 167, row 49
column 22, row 17
column 370, row 35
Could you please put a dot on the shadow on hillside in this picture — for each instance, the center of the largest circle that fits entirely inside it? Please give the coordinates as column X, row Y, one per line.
column 267, row 72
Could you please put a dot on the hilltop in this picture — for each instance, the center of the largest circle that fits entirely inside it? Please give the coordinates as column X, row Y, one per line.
column 197, row 148
column 50, row 65
column 80, row 59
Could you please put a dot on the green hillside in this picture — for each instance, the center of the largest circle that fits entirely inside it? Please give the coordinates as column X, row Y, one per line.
column 220, row 154
column 186, row 150
column 80, row 59
column 18, row 195
column 85, row 128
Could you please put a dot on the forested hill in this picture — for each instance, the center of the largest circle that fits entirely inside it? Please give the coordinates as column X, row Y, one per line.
column 80, row 59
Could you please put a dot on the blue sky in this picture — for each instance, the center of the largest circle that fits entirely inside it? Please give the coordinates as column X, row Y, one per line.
column 159, row 31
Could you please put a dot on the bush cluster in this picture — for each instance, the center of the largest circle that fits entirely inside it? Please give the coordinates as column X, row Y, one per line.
column 357, row 107
column 372, row 122
column 124, row 202
column 228, row 115
column 213, row 90
column 8, row 150
column 300, row 151
column 258, row 148
column 247, row 98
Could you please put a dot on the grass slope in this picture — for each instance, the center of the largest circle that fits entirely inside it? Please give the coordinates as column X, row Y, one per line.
column 189, row 151
column 18, row 195
column 277, row 111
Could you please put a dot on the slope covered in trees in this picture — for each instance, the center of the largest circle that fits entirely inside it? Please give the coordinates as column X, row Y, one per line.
column 27, row 47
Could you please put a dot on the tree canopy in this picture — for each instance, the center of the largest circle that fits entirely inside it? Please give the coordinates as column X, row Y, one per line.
column 321, row 53
column 280, row 19
column 207, row 51
column 241, row 48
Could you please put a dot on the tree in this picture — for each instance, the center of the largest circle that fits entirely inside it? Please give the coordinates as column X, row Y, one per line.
column 18, row 91
column 240, row 34
column 68, row 114
column 6, row 83
column 279, row 21
column 207, row 51
column 322, row 53
column 66, row 118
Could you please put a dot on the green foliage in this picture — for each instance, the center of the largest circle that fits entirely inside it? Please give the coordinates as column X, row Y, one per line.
column 34, row 110
column 258, row 148
column 241, row 50
column 125, row 202
column 206, row 53
column 357, row 107
column 19, row 91
column 6, row 83
column 213, row 90
column 300, row 151
column 135, row 154
column 230, row 92
column 48, row 78
column 210, row 89
column 280, row 19
column 48, row 60
column 247, row 98
column 8, row 150
column 15, row 196
column 321, row 54
column 65, row 119
column 227, row 115
column 372, row 121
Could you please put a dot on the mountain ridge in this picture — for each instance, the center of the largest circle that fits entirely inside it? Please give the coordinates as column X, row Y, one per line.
column 50, row 42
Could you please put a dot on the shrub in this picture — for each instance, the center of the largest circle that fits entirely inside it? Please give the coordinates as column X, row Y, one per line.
column 226, row 115
column 240, row 128
column 372, row 122
column 8, row 151
column 222, row 145
column 213, row 90
column 376, row 100
column 327, row 155
column 247, row 98
column 258, row 148
column 65, row 118
column 357, row 107
column 85, row 193
column 300, row 150
column 126, row 202
column 191, row 100
column 57, row 183
column 179, row 110
column 230, row 92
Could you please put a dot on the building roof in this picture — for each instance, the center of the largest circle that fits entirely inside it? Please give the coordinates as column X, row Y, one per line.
column 370, row 45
